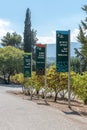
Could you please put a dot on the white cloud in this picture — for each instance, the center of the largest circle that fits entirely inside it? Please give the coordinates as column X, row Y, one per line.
column 47, row 39
column 4, row 23
column 5, row 26
column 52, row 38
column 74, row 35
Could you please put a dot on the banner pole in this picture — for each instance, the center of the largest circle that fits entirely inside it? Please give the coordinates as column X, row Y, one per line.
column 45, row 78
column 31, row 78
column 69, row 90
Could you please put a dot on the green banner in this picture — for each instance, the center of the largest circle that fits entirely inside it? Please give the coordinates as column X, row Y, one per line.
column 40, row 59
column 27, row 65
column 62, row 50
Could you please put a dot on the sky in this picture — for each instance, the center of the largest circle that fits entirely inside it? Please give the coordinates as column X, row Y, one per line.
column 47, row 16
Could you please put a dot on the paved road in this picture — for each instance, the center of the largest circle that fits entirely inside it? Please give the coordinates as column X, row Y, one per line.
column 19, row 114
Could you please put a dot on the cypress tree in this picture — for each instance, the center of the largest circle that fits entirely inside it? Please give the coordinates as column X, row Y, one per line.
column 27, row 32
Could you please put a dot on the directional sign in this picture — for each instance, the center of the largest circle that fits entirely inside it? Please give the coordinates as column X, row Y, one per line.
column 27, row 65
column 40, row 59
column 62, row 50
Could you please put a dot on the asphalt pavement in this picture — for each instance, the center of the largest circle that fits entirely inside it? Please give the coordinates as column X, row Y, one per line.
column 17, row 113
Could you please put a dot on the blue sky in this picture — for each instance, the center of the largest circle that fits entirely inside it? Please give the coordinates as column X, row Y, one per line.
column 47, row 16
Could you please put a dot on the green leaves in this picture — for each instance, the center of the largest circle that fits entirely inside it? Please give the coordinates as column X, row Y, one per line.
column 57, row 82
column 11, row 60
column 29, row 35
column 13, row 39
column 82, row 38
column 79, row 85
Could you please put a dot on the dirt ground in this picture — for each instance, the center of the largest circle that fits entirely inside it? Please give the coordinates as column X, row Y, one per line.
column 76, row 107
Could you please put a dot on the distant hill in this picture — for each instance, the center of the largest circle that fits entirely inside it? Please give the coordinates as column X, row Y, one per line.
column 51, row 49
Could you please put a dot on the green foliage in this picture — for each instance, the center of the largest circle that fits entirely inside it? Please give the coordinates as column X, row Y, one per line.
column 29, row 34
column 56, row 81
column 75, row 64
column 11, row 61
column 13, row 39
column 37, row 81
column 17, row 78
column 79, row 85
column 82, row 38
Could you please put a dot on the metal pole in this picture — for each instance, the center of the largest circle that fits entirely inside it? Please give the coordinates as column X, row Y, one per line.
column 69, row 72
column 45, row 78
column 31, row 79
column 31, row 90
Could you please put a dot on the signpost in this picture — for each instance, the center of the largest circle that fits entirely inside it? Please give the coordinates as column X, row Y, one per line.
column 27, row 65
column 63, row 55
column 41, row 63
column 40, row 59
column 62, row 43
column 28, row 68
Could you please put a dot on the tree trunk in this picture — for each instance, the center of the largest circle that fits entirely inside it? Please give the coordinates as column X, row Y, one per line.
column 8, row 79
column 5, row 80
column 43, row 96
column 55, row 97
column 37, row 93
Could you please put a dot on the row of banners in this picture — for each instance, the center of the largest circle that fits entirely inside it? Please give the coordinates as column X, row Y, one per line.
column 62, row 55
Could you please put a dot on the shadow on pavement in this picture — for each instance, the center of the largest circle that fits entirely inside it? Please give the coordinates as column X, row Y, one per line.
column 43, row 104
column 11, row 85
column 72, row 112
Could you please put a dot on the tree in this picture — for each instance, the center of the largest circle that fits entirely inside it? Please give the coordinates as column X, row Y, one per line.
column 11, row 61
column 29, row 34
column 57, row 81
column 82, row 38
column 13, row 39
column 79, row 86
column 75, row 64
column 33, row 41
